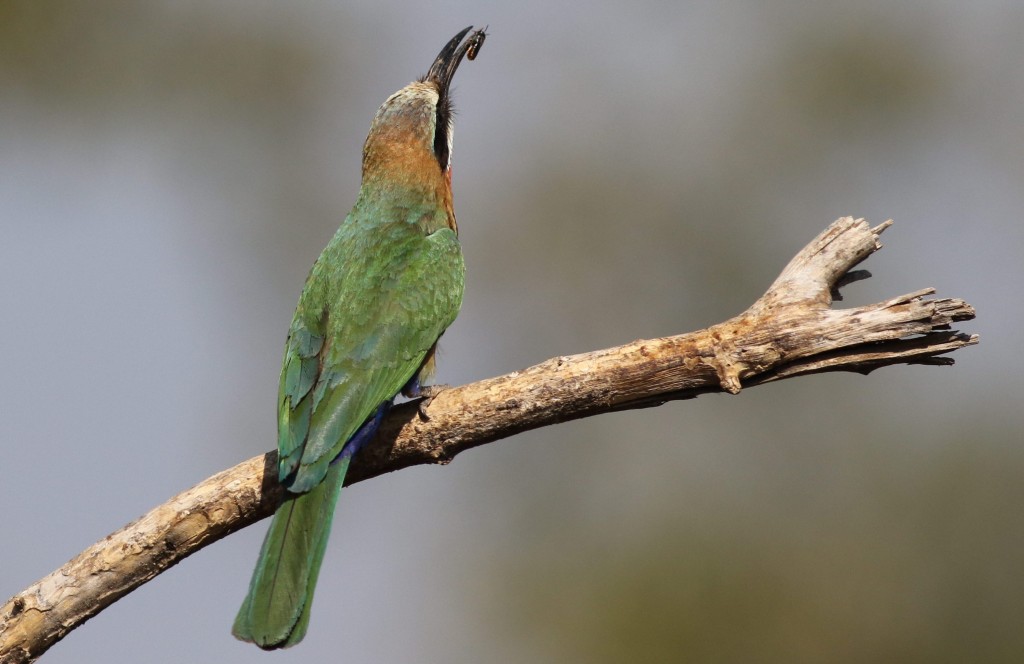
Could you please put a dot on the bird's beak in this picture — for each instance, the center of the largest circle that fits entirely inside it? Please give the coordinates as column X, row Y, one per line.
column 447, row 61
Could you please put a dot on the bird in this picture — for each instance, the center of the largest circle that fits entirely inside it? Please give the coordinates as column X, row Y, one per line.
column 365, row 330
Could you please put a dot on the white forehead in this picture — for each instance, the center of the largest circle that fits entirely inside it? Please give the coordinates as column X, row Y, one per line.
column 417, row 91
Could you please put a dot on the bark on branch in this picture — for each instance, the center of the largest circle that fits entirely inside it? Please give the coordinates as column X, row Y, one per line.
column 790, row 331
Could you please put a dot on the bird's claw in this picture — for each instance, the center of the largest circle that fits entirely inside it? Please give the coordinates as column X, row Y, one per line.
column 426, row 395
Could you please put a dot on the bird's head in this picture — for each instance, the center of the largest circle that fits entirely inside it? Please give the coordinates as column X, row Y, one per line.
column 410, row 140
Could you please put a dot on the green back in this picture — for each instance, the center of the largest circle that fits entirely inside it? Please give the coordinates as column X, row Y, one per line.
column 376, row 301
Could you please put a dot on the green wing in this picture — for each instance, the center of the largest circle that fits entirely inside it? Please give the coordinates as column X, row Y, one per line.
column 300, row 371
column 362, row 329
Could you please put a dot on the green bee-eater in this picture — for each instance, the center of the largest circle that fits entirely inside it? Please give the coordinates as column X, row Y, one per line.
column 369, row 317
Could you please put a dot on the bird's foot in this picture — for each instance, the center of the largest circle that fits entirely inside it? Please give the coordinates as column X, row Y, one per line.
column 426, row 394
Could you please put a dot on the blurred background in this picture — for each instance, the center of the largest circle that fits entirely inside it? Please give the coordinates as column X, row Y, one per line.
column 170, row 170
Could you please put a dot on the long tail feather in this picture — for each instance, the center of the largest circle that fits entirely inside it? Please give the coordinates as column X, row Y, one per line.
column 275, row 613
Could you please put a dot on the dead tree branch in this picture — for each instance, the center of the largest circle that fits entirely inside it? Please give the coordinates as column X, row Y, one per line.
column 790, row 331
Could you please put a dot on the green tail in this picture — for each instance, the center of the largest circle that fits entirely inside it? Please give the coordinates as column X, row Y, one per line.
column 275, row 613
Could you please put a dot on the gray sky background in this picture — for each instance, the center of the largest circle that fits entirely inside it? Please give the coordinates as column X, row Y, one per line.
column 170, row 170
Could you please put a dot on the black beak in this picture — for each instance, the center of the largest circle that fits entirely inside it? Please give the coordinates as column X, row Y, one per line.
column 448, row 60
